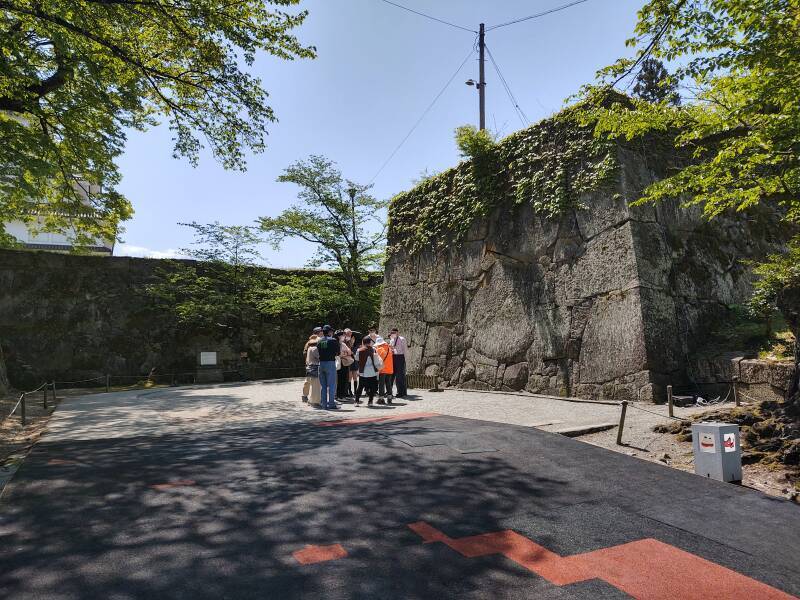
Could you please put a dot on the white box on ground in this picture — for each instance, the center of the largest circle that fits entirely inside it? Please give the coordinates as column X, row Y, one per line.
column 717, row 451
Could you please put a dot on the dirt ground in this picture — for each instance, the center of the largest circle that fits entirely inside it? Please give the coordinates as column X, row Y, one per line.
column 642, row 442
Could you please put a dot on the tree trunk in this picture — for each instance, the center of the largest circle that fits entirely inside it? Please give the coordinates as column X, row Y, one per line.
column 4, row 385
column 789, row 305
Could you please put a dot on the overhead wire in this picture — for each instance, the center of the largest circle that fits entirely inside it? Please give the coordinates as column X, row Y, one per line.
column 427, row 16
column 520, row 113
column 424, row 114
column 537, row 15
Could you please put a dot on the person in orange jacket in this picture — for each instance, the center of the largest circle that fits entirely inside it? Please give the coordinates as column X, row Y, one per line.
column 386, row 375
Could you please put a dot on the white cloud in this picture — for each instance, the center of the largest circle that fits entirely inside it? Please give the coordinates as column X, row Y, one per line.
column 141, row 252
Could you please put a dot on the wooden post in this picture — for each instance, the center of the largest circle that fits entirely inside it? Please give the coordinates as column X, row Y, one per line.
column 669, row 401
column 108, row 382
column 55, row 399
column 735, row 391
column 44, row 396
column 624, row 405
column 22, row 409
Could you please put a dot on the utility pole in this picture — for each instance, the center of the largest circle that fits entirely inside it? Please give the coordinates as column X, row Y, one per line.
column 481, row 76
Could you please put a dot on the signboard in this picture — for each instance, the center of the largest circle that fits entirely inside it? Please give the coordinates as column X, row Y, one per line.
column 208, row 359
column 729, row 442
column 707, row 442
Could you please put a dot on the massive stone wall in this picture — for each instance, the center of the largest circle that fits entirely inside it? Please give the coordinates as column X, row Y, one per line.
column 71, row 317
column 608, row 301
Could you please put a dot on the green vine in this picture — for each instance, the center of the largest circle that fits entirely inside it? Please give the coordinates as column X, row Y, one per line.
column 551, row 165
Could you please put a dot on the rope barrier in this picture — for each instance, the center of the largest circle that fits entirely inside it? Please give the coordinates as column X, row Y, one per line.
column 80, row 380
column 16, row 406
column 632, row 405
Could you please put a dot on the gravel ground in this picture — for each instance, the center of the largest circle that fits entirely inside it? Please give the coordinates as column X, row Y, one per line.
column 242, row 404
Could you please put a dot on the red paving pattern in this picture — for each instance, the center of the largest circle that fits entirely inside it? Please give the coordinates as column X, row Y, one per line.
column 173, row 484
column 402, row 417
column 646, row 569
column 316, row 554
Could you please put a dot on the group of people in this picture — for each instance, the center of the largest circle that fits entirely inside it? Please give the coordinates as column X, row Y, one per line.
column 342, row 365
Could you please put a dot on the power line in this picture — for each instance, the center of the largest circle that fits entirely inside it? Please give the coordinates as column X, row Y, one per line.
column 520, row 113
column 537, row 15
column 424, row 113
column 421, row 14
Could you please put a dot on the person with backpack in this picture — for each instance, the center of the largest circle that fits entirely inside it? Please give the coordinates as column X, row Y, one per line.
column 328, row 348
column 369, row 365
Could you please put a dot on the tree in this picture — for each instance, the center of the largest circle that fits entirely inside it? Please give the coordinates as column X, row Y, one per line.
column 4, row 385
column 338, row 216
column 740, row 131
column 653, row 83
column 220, row 292
column 75, row 74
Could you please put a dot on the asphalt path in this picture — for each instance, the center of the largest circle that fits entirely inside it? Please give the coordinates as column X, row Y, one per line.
column 428, row 507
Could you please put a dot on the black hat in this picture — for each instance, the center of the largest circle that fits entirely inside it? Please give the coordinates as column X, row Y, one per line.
column 327, row 328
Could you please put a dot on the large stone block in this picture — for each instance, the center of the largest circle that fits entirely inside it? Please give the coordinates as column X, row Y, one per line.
column 613, row 342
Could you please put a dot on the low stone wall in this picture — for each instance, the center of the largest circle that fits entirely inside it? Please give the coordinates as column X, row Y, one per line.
column 758, row 379
column 68, row 317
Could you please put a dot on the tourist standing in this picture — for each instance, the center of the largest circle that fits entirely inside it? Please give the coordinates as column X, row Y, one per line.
column 312, row 373
column 328, row 348
column 314, row 336
column 369, row 365
column 345, row 361
column 386, row 374
column 399, row 349
column 353, row 343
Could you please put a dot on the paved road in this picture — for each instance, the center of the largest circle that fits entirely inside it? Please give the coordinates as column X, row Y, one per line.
column 205, row 494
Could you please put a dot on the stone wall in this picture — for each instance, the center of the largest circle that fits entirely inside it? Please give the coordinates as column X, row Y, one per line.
column 69, row 317
column 605, row 302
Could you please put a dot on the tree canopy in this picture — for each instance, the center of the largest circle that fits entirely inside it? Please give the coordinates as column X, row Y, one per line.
column 338, row 216
column 75, row 74
column 738, row 65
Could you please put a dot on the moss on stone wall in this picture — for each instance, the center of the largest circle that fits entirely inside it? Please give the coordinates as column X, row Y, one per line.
column 552, row 165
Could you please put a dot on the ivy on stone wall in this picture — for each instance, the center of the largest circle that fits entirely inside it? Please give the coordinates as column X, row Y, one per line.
column 551, row 165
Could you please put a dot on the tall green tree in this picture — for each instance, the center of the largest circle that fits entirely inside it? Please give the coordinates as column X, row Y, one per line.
column 75, row 74
column 653, row 83
column 219, row 293
column 338, row 216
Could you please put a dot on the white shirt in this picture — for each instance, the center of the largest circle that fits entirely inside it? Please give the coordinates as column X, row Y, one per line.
column 372, row 366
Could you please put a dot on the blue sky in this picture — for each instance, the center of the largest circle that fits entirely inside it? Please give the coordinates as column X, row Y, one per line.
column 378, row 68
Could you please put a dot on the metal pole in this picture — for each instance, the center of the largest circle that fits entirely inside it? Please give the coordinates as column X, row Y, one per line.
column 735, row 391
column 108, row 382
column 22, row 409
column 44, row 396
column 624, row 405
column 669, row 401
column 54, row 393
column 482, row 75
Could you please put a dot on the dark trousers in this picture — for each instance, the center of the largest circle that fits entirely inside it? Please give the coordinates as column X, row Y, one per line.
column 400, row 374
column 342, row 382
column 369, row 385
column 385, row 382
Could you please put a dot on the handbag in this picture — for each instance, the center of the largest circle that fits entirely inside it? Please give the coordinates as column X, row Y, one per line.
column 338, row 363
column 348, row 360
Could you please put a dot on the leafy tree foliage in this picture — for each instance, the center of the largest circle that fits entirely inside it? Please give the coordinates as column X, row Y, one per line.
column 653, row 83
column 320, row 296
column 473, row 142
column 221, row 291
column 75, row 74
column 740, row 62
column 226, row 292
column 336, row 215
